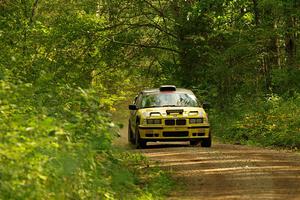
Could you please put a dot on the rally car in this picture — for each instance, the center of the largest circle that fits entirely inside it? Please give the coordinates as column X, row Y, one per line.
column 168, row 114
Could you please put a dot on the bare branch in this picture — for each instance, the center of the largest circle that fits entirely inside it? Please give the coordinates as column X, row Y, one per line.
column 154, row 26
column 144, row 46
column 33, row 11
column 155, row 8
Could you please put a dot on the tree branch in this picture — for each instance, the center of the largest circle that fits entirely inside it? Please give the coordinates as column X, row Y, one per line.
column 144, row 46
column 154, row 26
column 155, row 8
column 33, row 11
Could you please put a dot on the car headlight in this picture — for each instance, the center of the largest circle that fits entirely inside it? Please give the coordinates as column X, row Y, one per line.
column 146, row 114
column 206, row 119
column 196, row 120
column 143, row 122
column 153, row 121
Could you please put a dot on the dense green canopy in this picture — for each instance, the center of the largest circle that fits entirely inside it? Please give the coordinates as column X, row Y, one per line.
column 65, row 65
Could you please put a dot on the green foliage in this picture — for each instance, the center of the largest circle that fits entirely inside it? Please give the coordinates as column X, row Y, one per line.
column 272, row 121
column 65, row 65
column 50, row 150
column 58, row 86
column 57, row 145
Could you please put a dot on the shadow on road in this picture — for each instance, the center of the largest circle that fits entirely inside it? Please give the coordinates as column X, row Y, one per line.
column 158, row 145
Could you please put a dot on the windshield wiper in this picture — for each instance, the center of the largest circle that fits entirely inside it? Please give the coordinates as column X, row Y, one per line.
column 169, row 105
column 151, row 106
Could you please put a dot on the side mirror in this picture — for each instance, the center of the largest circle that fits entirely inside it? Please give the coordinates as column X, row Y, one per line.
column 132, row 107
column 206, row 105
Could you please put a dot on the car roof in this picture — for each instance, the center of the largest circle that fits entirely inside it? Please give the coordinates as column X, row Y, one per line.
column 157, row 91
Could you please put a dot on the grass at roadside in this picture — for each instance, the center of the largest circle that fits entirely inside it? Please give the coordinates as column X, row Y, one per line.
column 150, row 182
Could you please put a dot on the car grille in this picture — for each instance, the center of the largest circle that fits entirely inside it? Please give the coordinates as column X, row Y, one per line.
column 180, row 122
column 176, row 134
column 171, row 122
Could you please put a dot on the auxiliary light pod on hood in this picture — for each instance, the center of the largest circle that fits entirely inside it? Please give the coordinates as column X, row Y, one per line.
column 179, row 111
column 165, row 88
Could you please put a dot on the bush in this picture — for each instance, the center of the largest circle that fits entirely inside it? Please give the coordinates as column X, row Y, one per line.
column 56, row 144
column 273, row 121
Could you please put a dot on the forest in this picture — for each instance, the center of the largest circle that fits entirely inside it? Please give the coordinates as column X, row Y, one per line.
column 67, row 66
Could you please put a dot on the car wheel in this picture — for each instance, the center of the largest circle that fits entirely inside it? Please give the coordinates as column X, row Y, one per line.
column 206, row 142
column 140, row 144
column 194, row 142
column 130, row 134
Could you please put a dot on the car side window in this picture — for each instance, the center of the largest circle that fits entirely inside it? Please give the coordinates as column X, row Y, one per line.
column 135, row 99
column 138, row 100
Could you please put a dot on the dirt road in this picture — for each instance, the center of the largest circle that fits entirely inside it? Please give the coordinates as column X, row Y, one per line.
column 227, row 171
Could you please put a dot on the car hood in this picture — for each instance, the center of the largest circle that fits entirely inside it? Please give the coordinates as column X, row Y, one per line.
column 171, row 111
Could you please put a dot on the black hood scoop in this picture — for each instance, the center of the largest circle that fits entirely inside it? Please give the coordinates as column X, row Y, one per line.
column 174, row 111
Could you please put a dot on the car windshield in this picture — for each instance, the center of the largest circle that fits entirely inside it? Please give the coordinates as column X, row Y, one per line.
column 169, row 100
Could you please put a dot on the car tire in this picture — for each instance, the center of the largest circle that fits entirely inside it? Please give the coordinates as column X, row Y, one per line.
column 140, row 144
column 206, row 142
column 194, row 142
column 130, row 134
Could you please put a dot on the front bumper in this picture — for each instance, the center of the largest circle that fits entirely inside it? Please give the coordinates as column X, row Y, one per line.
column 174, row 133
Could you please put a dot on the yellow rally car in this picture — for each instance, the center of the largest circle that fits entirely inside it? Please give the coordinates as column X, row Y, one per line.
column 168, row 114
